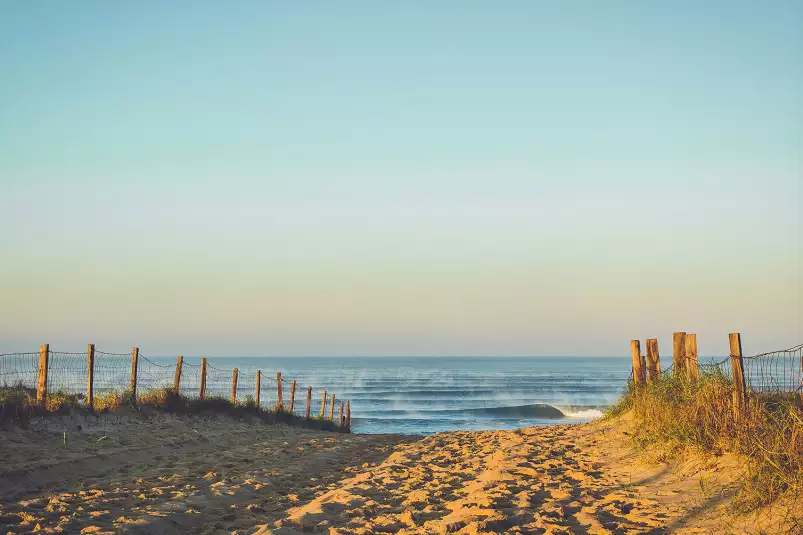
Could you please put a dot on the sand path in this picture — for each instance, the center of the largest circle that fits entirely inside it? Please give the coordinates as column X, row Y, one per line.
column 564, row 479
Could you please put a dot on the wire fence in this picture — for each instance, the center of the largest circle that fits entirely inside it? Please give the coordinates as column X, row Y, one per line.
column 114, row 374
column 772, row 372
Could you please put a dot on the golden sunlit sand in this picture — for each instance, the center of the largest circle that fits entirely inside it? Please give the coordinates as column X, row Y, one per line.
column 162, row 473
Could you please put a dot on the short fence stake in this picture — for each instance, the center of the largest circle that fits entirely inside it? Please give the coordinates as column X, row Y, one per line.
column 234, row 386
column 259, row 376
column 678, row 354
column 177, row 378
column 342, row 416
column 292, row 394
column 737, row 369
column 90, row 375
column 692, row 364
column 202, row 393
column 309, row 400
column 348, row 414
column 332, row 409
column 279, row 403
column 134, row 366
column 653, row 360
column 41, row 384
column 323, row 404
column 639, row 371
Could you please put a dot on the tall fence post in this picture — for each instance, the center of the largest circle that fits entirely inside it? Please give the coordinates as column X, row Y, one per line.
column 309, row 400
column 292, row 394
column 280, row 403
column 202, row 393
column 653, row 360
column 134, row 367
column 259, row 376
column 342, row 416
column 639, row 371
column 737, row 369
column 678, row 354
column 348, row 414
column 177, row 378
column 332, row 409
column 323, row 405
column 41, row 383
column 234, row 386
column 692, row 364
column 90, row 376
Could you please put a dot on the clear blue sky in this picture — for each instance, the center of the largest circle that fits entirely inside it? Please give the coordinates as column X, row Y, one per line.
column 386, row 178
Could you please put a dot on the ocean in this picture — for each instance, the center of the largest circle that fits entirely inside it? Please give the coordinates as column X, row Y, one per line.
column 425, row 395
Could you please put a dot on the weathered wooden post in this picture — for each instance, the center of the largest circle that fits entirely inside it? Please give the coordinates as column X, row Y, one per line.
column 90, row 376
column 342, row 415
column 323, row 405
column 177, row 378
column 692, row 364
column 309, row 400
column 259, row 376
column 202, row 393
column 639, row 371
column 134, row 367
column 234, row 386
column 41, row 383
column 679, row 354
column 332, row 409
column 279, row 403
column 737, row 369
column 292, row 394
column 348, row 414
column 653, row 360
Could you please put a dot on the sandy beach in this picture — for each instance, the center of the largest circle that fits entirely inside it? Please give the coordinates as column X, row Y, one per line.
column 162, row 473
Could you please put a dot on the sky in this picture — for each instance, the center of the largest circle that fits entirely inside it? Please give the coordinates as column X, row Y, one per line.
column 400, row 178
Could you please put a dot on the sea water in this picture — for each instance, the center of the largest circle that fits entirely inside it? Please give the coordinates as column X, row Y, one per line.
column 424, row 395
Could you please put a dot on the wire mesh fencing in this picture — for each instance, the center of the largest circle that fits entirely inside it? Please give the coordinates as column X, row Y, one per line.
column 19, row 370
column 775, row 372
column 107, row 379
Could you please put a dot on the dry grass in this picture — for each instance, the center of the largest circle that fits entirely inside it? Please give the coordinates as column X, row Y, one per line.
column 675, row 414
column 18, row 404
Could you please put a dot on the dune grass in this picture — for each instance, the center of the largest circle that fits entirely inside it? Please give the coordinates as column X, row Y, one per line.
column 674, row 414
column 18, row 405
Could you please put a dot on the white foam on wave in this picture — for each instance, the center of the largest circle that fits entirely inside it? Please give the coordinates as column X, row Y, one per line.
column 588, row 414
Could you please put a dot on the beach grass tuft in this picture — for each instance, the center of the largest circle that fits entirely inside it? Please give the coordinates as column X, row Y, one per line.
column 674, row 413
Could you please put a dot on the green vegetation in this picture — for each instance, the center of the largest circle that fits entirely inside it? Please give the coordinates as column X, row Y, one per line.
column 18, row 405
column 674, row 414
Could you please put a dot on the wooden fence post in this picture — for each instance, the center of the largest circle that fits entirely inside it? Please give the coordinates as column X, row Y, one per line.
column 41, row 384
column 692, row 364
column 332, row 409
column 259, row 374
column 90, row 376
column 292, row 394
column 342, row 416
column 202, row 393
column 678, row 354
column 323, row 404
column 134, row 367
column 279, row 403
column 639, row 371
column 737, row 369
column 348, row 414
column 234, row 386
column 177, row 378
column 309, row 400
column 653, row 361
